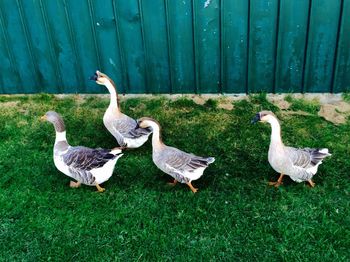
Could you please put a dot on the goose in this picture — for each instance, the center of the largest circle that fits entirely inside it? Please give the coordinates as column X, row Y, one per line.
column 86, row 165
column 300, row 164
column 182, row 166
column 122, row 127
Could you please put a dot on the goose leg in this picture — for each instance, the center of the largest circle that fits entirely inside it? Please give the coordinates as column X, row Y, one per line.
column 312, row 183
column 74, row 184
column 278, row 182
column 173, row 183
column 99, row 188
column 194, row 190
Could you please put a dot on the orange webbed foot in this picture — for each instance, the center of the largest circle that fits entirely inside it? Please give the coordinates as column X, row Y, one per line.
column 275, row 184
column 312, row 184
column 278, row 182
column 194, row 190
column 99, row 188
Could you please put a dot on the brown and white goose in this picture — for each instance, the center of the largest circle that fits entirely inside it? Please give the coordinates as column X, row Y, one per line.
column 182, row 166
column 122, row 127
column 86, row 165
column 300, row 164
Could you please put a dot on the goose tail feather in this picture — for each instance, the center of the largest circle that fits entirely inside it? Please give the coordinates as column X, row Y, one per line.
column 317, row 155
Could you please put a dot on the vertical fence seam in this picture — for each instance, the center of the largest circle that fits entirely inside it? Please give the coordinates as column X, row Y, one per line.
column 147, row 76
column 93, row 31
column 74, row 45
column 248, row 48
column 170, row 46
column 306, row 48
column 222, row 76
column 195, row 46
column 9, row 51
column 125, row 76
column 29, row 45
column 337, row 43
column 276, row 45
column 53, row 54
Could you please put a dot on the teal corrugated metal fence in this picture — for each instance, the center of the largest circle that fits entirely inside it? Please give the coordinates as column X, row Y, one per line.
column 175, row 46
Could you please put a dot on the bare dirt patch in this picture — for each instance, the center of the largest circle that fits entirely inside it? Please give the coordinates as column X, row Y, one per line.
column 199, row 100
column 9, row 104
column 278, row 100
column 225, row 103
column 336, row 113
column 226, row 106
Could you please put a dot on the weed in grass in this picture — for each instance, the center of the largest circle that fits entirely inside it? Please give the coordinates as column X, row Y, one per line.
column 234, row 216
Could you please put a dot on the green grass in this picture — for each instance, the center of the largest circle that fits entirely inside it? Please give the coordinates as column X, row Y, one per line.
column 346, row 96
column 309, row 106
column 234, row 216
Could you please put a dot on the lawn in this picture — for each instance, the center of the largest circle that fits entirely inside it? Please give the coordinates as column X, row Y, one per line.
column 234, row 216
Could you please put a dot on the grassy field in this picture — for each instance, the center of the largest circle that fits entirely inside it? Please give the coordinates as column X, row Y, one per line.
column 234, row 216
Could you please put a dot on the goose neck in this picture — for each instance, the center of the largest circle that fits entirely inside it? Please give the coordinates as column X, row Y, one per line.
column 113, row 95
column 60, row 136
column 275, row 131
column 157, row 142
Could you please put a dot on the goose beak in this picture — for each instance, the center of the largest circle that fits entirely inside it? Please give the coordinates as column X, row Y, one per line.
column 255, row 119
column 94, row 77
column 43, row 118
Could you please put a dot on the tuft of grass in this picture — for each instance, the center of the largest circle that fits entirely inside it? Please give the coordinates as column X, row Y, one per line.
column 184, row 102
column 260, row 100
column 42, row 97
column 11, row 98
column 309, row 106
column 211, row 104
column 346, row 96
column 234, row 216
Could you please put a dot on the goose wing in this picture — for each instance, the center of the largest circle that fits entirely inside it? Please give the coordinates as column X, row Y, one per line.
column 84, row 158
column 306, row 161
column 299, row 157
column 81, row 160
column 184, row 162
column 306, row 157
column 129, row 128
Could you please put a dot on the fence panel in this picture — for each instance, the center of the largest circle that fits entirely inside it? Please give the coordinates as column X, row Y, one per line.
column 165, row 46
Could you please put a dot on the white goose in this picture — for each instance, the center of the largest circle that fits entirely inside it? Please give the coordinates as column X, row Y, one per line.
column 121, row 126
column 183, row 167
column 299, row 164
column 86, row 165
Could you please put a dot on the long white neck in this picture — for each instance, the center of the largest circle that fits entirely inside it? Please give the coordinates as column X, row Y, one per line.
column 156, row 141
column 60, row 136
column 276, row 130
column 113, row 95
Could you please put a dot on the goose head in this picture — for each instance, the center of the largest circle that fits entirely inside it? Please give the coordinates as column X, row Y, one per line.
column 55, row 119
column 147, row 122
column 264, row 116
column 154, row 127
column 101, row 78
